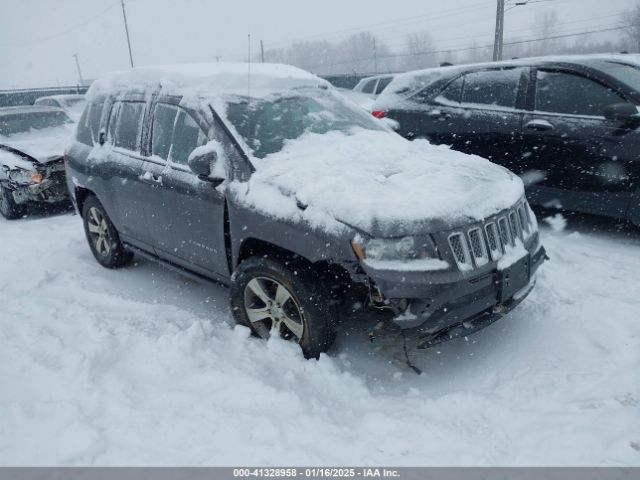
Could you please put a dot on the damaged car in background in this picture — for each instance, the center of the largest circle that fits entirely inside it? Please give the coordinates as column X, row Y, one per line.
column 32, row 143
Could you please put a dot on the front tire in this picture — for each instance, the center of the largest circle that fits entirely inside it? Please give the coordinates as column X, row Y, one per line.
column 274, row 297
column 102, row 236
column 8, row 206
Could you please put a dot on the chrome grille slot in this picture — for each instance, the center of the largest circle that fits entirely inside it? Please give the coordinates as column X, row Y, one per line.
column 527, row 213
column 523, row 220
column 516, row 232
column 460, row 251
column 505, row 235
column 493, row 240
column 478, row 249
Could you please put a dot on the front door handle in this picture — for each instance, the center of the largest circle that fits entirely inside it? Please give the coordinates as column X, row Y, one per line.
column 150, row 178
column 539, row 125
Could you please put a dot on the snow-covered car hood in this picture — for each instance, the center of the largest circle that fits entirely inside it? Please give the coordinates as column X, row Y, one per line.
column 43, row 145
column 379, row 183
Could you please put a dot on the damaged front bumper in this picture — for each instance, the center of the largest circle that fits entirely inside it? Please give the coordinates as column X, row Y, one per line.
column 52, row 188
column 48, row 191
column 443, row 306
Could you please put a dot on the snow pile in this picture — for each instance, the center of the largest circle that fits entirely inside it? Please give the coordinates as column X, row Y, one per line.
column 375, row 180
column 140, row 367
column 557, row 222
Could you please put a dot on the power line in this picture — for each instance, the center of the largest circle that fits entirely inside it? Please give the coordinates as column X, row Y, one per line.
column 388, row 24
column 63, row 32
column 451, row 50
column 520, row 30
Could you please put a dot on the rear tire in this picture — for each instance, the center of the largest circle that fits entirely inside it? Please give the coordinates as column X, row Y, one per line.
column 269, row 295
column 8, row 206
column 102, row 236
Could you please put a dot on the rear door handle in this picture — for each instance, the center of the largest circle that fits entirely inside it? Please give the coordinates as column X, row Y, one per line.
column 439, row 114
column 539, row 125
column 150, row 178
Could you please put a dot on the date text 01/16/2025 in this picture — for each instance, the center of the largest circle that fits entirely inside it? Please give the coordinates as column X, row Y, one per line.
column 315, row 472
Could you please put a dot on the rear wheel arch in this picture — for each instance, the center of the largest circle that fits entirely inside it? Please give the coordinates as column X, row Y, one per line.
column 81, row 194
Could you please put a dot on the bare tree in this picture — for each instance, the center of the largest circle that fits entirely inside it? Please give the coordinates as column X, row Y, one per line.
column 416, row 52
column 630, row 23
column 363, row 52
column 546, row 25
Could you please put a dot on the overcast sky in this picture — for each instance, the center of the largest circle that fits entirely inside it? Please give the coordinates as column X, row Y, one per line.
column 39, row 37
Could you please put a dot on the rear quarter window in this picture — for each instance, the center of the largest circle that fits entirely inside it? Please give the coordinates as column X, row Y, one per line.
column 369, row 86
column 492, row 87
column 382, row 84
column 89, row 124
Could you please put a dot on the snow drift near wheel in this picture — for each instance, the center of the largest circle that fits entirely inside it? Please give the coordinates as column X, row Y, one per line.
column 271, row 297
column 8, row 207
column 103, row 237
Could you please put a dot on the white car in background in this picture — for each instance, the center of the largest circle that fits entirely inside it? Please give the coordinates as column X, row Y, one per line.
column 367, row 90
column 373, row 86
column 72, row 104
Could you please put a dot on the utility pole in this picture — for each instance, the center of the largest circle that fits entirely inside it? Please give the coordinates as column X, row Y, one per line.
column 499, row 39
column 262, row 51
column 126, row 29
column 80, row 81
column 375, row 57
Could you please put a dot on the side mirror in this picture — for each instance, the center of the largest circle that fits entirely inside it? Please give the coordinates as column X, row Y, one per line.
column 621, row 112
column 200, row 164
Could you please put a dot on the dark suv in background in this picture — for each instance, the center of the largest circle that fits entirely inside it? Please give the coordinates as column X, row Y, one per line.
column 268, row 194
column 569, row 126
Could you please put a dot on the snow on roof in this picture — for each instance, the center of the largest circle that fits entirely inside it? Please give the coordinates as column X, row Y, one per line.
column 209, row 79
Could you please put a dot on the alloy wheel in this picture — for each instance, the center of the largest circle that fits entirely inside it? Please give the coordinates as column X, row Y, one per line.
column 271, row 307
column 99, row 231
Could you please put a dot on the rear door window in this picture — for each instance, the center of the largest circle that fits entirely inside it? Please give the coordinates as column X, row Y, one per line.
column 572, row 94
column 164, row 119
column 128, row 125
column 497, row 88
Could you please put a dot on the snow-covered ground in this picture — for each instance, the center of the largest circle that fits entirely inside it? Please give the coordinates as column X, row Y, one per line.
column 141, row 366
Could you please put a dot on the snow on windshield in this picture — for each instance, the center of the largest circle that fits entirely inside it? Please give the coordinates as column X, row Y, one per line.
column 265, row 125
column 19, row 123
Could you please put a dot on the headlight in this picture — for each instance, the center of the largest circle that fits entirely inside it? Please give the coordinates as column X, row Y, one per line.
column 25, row 176
column 404, row 249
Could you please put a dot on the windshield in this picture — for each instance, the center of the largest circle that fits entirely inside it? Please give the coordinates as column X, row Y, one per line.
column 627, row 74
column 25, row 122
column 266, row 124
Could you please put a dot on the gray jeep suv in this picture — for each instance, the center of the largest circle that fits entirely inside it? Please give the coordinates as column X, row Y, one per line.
column 308, row 207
